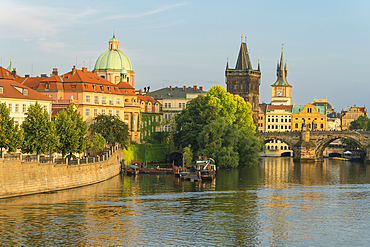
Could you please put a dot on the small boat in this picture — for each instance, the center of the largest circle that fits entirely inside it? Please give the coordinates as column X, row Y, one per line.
column 340, row 158
column 179, row 171
column 156, row 170
column 205, row 168
column 132, row 169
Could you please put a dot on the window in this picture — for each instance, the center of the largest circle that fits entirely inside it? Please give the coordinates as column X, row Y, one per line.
column 24, row 108
column 111, row 112
column 25, row 92
column 183, row 105
column 142, row 106
column 118, row 101
column 1, row 90
column 103, row 100
column 165, row 105
column 16, row 108
column 111, row 101
column 87, row 112
column 268, row 120
column 179, row 105
column 322, row 126
column 117, row 113
column 10, row 107
column 169, row 105
column 51, row 96
column 95, row 112
column 88, row 98
column 126, row 118
column 296, row 125
column 103, row 111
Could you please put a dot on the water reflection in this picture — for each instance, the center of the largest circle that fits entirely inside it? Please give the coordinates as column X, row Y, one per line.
column 278, row 202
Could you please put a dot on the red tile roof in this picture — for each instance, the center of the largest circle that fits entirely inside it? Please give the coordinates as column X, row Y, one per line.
column 5, row 74
column 13, row 89
column 126, row 88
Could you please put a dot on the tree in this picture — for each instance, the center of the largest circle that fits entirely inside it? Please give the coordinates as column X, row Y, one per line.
column 188, row 155
column 98, row 142
column 113, row 129
column 39, row 132
column 362, row 122
column 10, row 136
column 72, row 130
column 232, row 107
column 218, row 140
column 248, row 147
column 190, row 122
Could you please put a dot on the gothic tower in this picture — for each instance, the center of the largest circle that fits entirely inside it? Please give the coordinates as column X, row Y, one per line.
column 281, row 90
column 243, row 80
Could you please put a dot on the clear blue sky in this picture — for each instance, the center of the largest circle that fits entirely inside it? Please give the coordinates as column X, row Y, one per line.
column 326, row 43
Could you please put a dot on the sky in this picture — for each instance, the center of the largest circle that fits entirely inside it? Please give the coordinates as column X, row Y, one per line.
column 186, row 43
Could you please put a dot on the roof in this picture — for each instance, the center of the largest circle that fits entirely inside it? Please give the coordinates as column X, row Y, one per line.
column 5, row 74
column 113, row 59
column 11, row 68
column 244, row 61
column 126, row 88
column 298, row 108
column 147, row 99
column 13, row 89
column 281, row 73
column 279, row 107
column 175, row 92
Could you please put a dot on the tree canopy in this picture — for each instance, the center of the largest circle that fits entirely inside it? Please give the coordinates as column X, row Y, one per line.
column 39, row 132
column 112, row 128
column 72, row 130
column 11, row 137
column 362, row 122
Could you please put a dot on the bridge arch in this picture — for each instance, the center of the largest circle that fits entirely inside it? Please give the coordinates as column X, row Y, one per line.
column 319, row 151
column 267, row 139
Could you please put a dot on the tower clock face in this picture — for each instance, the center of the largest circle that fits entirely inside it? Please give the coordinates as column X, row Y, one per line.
column 280, row 93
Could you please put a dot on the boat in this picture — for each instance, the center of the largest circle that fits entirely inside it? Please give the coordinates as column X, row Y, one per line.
column 180, row 171
column 205, row 168
column 132, row 169
column 341, row 158
column 155, row 170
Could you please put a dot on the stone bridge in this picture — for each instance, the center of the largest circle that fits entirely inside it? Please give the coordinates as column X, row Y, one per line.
column 310, row 145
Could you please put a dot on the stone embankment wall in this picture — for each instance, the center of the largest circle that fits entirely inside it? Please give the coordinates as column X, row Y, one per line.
column 19, row 178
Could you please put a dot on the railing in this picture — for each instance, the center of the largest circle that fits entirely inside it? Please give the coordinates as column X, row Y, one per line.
column 58, row 161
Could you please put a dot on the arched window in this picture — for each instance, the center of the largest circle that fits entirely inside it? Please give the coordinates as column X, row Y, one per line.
column 268, row 147
column 296, row 125
column 322, row 126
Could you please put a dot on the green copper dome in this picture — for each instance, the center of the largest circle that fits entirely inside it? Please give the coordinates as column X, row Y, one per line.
column 113, row 60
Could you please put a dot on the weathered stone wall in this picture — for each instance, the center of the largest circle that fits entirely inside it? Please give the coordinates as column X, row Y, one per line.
column 22, row 178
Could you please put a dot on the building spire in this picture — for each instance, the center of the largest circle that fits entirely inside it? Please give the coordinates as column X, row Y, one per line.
column 281, row 71
column 227, row 64
column 243, row 62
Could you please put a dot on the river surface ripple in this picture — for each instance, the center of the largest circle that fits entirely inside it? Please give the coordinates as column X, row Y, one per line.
column 277, row 203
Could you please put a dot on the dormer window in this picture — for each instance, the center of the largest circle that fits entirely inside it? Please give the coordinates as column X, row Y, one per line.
column 73, row 86
column 1, row 90
column 102, row 88
column 25, row 92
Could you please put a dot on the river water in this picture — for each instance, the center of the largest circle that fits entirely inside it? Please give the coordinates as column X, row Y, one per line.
column 277, row 203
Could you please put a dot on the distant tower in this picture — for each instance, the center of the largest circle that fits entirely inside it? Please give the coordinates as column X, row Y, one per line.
column 243, row 80
column 281, row 90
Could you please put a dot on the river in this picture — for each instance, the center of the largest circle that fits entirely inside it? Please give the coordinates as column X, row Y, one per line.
column 277, row 203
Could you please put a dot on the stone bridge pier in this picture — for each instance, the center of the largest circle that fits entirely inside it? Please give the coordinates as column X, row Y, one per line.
column 310, row 145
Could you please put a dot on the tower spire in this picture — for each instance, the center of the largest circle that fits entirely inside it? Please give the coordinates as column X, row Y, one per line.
column 281, row 71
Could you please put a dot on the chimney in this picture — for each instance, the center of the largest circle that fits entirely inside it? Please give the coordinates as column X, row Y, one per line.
column 201, row 88
column 195, row 88
column 44, row 75
column 73, row 70
column 14, row 73
column 27, row 76
column 183, row 88
column 84, row 69
column 170, row 88
column 55, row 71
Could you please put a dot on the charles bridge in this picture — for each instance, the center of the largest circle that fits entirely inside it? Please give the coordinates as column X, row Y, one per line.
column 310, row 145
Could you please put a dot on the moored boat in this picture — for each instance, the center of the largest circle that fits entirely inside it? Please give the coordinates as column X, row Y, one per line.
column 205, row 168
column 132, row 169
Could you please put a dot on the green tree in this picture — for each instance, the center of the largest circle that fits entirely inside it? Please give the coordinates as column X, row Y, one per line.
column 72, row 130
column 39, row 132
column 189, row 123
column 98, row 142
column 188, row 155
column 218, row 141
column 248, row 147
column 10, row 136
column 362, row 122
column 113, row 129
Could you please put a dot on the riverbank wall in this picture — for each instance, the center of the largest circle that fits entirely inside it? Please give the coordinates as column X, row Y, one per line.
column 24, row 177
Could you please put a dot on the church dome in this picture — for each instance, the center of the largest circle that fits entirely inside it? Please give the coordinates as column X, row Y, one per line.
column 113, row 58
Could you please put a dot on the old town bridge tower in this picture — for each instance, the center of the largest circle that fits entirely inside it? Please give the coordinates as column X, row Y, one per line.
column 244, row 80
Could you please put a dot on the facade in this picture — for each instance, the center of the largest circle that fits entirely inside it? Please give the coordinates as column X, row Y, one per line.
column 173, row 100
column 281, row 90
column 244, row 80
column 313, row 117
column 262, row 118
column 350, row 114
column 19, row 97
column 114, row 64
column 151, row 117
column 278, row 119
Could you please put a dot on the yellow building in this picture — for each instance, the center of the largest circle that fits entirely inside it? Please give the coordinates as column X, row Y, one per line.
column 278, row 119
column 351, row 114
column 314, row 117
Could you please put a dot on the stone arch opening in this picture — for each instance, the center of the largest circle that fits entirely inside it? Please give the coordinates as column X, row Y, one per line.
column 274, row 146
column 325, row 143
